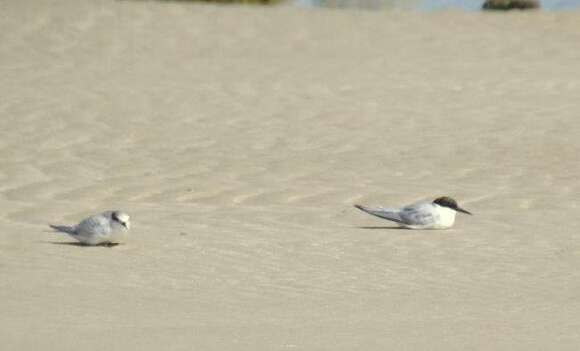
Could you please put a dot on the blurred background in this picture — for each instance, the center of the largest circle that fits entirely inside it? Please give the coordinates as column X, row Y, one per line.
column 421, row 5
column 433, row 5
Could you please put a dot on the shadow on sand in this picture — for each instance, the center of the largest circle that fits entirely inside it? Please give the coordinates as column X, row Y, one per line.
column 383, row 227
column 78, row 244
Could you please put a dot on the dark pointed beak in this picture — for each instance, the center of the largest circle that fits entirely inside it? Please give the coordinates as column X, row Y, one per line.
column 464, row 211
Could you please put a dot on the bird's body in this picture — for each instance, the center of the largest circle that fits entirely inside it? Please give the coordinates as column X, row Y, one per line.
column 109, row 227
column 437, row 214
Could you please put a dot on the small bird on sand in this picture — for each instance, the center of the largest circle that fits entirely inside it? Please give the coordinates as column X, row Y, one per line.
column 107, row 228
column 436, row 214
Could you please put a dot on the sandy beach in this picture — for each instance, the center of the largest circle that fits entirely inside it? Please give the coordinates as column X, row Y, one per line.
column 239, row 137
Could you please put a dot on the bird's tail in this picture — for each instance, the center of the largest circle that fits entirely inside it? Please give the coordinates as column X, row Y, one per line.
column 385, row 213
column 63, row 229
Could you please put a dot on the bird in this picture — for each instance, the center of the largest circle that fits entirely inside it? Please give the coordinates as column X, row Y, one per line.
column 107, row 228
column 436, row 214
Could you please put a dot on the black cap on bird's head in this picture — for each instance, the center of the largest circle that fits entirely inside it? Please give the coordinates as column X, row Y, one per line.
column 121, row 218
column 446, row 201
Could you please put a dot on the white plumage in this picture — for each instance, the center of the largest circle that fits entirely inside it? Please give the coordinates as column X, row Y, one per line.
column 109, row 227
column 437, row 214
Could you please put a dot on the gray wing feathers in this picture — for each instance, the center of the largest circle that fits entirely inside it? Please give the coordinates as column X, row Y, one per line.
column 94, row 225
column 64, row 229
column 417, row 216
column 385, row 213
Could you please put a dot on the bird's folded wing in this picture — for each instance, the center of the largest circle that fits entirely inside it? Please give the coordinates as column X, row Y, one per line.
column 63, row 229
column 386, row 213
column 417, row 216
column 94, row 225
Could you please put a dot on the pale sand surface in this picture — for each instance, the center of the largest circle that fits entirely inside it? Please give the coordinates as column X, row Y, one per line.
column 238, row 139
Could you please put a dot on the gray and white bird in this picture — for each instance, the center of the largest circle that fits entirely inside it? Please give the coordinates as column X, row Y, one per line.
column 436, row 214
column 109, row 227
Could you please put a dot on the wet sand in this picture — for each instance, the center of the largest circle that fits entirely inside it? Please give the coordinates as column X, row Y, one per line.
column 239, row 138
